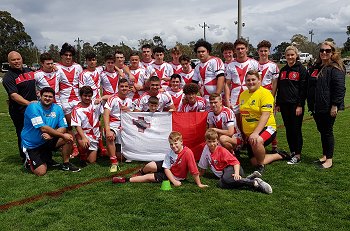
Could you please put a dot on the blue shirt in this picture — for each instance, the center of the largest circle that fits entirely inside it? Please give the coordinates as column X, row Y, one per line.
column 36, row 117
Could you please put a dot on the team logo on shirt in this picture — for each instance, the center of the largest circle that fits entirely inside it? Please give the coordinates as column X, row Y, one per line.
column 252, row 103
column 52, row 114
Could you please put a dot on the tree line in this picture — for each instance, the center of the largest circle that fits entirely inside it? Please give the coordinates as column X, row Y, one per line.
column 14, row 37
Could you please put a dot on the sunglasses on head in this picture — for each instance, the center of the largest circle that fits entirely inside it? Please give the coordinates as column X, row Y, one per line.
column 325, row 50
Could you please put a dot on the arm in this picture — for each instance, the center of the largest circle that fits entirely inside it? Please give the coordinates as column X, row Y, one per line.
column 52, row 132
column 220, row 83
column 198, row 181
column 227, row 92
column 274, row 87
column 171, row 177
column 236, row 175
column 19, row 99
column 229, row 132
column 84, row 139
column 109, row 133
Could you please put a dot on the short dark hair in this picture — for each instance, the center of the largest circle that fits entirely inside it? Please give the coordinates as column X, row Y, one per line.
column 202, row 43
column 118, row 52
column 90, row 55
column 190, row 88
column 158, row 50
column 264, row 43
column 146, row 46
column 85, row 90
column 134, row 53
column 153, row 100
column 122, row 80
column 175, row 76
column 66, row 47
column 184, row 58
column 227, row 46
column 241, row 41
column 154, row 78
column 45, row 56
column 47, row 89
column 109, row 57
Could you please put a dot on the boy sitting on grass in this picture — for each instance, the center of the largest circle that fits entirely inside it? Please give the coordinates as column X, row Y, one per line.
column 177, row 163
column 226, row 166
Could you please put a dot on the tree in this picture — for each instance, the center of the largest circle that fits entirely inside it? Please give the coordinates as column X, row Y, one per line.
column 144, row 42
column 55, row 52
column 346, row 48
column 12, row 35
column 102, row 49
column 279, row 50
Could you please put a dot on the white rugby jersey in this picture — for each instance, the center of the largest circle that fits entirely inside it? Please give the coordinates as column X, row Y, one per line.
column 199, row 105
column 163, row 70
column 236, row 72
column 88, row 118
column 177, row 68
column 223, row 120
column 165, row 101
column 175, row 96
column 69, row 82
column 186, row 77
column 45, row 79
column 205, row 74
column 268, row 71
column 109, row 82
column 140, row 79
column 114, row 104
column 93, row 80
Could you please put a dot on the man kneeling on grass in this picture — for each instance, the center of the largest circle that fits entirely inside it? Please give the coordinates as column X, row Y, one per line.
column 45, row 131
column 226, row 166
column 177, row 163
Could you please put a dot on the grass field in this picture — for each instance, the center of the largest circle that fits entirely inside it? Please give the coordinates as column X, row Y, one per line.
column 304, row 198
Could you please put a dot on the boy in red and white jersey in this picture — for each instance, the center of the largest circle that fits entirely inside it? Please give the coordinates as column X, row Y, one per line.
column 235, row 74
column 109, row 77
column 187, row 71
column 175, row 167
column 91, row 76
column 147, row 60
column 175, row 89
column 162, row 69
column 223, row 121
column 165, row 100
column 225, row 166
column 210, row 71
column 122, row 69
column 175, row 63
column 69, row 80
column 137, row 87
column 47, row 76
column 86, row 120
column 191, row 101
column 112, row 113
column 228, row 50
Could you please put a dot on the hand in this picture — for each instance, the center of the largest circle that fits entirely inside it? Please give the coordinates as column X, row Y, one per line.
column 110, row 135
column 298, row 111
column 67, row 137
column 125, row 108
column 277, row 108
column 46, row 136
column 203, row 186
column 334, row 111
column 85, row 142
column 97, row 101
column 166, row 79
column 236, row 176
column 177, row 183
column 253, row 138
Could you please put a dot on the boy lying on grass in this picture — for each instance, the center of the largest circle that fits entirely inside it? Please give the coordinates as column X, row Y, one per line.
column 226, row 166
column 177, row 163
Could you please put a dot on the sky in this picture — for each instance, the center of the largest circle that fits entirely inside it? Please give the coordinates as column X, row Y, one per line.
column 116, row 21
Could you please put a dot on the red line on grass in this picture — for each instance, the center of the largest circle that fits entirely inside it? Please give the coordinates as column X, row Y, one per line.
column 59, row 192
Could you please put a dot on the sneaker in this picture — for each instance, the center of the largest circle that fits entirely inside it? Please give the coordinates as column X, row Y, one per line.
column 254, row 175
column 83, row 163
column 70, row 167
column 262, row 186
column 118, row 179
column 114, row 168
column 260, row 169
column 128, row 161
column 294, row 160
column 52, row 163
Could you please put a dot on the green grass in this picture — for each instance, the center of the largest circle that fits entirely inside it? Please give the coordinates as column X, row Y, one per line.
column 304, row 198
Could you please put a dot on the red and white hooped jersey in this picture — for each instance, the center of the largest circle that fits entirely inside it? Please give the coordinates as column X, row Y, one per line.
column 109, row 82
column 114, row 104
column 236, row 72
column 88, row 118
column 69, row 82
column 268, row 71
column 187, row 77
column 177, row 68
column 199, row 105
column 163, row 70
column 165, row 101
column 140, row 79
column 223, row 120
column 206, row 73
column 93, row 80
column 45, row 79
column 176, row 97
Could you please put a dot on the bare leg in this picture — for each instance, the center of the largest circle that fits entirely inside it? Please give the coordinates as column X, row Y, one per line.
column 144, row 178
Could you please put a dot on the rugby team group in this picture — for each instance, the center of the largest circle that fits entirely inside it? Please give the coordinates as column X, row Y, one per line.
column 241, row 96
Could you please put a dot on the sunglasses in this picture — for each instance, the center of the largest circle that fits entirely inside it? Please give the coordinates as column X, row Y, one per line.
column 325, row 50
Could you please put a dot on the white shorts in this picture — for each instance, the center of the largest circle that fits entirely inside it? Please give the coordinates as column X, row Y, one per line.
column 118, row 135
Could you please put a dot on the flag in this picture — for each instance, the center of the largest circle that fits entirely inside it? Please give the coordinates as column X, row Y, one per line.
column 145, row 134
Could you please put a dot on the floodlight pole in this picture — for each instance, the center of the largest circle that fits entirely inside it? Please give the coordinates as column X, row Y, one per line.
column 204, row 26
column 311, row 33
column 78, row 41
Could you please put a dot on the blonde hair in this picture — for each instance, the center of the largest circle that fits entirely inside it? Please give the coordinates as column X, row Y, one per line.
column 293, row 48
column 336, row 60
column 175, row 136
column 211, row 134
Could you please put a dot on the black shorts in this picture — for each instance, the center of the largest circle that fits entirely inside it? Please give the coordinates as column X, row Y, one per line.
column 160, row 176
column 40, row 155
